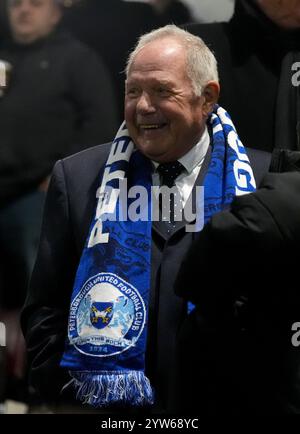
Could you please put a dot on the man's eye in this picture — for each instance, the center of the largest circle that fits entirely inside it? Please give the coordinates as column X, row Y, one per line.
column 132, row 91
column 162, row 91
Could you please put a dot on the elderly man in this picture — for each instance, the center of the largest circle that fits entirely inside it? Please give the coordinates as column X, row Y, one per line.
column 113, row 337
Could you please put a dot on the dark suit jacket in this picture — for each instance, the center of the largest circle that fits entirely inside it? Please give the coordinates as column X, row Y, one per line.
column 69, row 209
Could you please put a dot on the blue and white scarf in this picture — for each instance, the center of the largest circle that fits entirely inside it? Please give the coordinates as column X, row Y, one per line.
column 107, row 329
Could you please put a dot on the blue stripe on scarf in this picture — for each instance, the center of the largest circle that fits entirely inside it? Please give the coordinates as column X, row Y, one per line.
column 220, row 184
column 105, row 352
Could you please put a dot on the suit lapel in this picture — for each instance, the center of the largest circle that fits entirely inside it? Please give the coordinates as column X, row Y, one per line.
column 160, row 227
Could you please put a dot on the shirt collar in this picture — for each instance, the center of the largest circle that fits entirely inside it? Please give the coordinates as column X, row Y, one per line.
column 195, row 155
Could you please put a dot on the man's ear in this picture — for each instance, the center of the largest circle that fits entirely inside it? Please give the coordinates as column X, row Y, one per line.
column 210, row 93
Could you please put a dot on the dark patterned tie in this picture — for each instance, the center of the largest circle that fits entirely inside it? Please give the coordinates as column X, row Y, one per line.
column 168, row 173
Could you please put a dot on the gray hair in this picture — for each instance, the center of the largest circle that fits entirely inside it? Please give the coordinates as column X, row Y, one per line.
column 201, row 62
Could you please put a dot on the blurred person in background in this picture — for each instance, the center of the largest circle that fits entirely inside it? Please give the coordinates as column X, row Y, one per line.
column 258, row 54
column 3, row 22
column 170, row 11
column 57, row 99
column 111, row 28
column 209, row 11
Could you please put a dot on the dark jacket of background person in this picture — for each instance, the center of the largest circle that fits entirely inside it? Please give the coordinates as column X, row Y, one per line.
column 239, row 337
column 58, row 100
column 111, row 28
column 254, row 60
column 175, row 12
column 69, row 206
column 4, row 27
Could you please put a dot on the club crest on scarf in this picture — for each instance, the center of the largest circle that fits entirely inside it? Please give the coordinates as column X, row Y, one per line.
column 107, row 316
column 101, row 314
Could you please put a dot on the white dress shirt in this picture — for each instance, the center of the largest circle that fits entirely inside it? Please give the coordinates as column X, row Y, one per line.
column 192, row 162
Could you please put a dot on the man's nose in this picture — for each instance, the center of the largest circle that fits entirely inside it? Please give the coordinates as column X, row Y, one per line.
column 145, row 104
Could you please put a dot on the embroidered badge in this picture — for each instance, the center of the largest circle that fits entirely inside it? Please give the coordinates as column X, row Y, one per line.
column 106, row 317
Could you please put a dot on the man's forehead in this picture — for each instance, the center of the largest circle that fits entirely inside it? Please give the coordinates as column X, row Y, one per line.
column 151, row 79
column 160, row 48
column 157, row 74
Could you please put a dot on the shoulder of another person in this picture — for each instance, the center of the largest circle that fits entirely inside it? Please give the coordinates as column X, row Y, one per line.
column 260, row 162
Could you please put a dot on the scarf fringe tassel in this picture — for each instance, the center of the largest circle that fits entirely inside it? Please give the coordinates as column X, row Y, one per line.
column 100, row 390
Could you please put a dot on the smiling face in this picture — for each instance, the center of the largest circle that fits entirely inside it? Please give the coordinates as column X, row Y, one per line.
column 164, row 117
column 32, row 19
